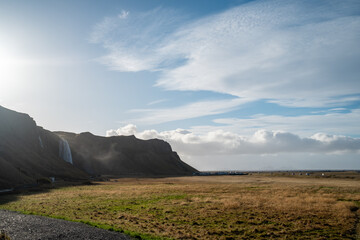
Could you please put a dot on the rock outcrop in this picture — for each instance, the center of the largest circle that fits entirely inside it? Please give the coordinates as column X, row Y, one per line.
column 124, row 156
column 29, row 152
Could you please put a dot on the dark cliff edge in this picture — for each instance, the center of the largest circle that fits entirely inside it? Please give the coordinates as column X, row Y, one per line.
column 29, row 153
column 124, row 156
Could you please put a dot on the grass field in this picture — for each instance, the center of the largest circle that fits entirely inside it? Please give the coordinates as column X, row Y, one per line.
column 216, row 207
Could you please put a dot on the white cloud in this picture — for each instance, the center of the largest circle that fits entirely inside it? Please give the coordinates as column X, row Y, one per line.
column 293, row 53
column 192, row 110
column 157, row 101
column 124, row 14
column 271, row 50
column 331, row 122
column 220, row 142
column 128, row 130
column 133, row 40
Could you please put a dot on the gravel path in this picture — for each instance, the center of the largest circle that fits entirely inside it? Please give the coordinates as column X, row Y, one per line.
column 22, row 227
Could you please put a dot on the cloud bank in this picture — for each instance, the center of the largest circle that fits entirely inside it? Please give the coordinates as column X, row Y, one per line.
column 220, row 142
column 293, row 53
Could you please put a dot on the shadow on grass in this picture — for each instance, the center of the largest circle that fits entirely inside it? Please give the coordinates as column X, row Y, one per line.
column 15, row 193
column 19, row 192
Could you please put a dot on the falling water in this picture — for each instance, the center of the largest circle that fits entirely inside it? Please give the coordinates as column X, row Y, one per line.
column 64, row 151
column 41, row 143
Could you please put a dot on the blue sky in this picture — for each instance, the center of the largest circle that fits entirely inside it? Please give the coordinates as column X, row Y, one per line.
column 230, row 84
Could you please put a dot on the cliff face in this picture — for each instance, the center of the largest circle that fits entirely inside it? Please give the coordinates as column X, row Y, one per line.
column 28, row 152
column 124, row 155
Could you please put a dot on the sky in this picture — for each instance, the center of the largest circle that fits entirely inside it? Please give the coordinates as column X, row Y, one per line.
column 231, row 85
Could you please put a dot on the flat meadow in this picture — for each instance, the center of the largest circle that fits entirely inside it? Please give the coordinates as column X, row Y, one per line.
column 256, row 206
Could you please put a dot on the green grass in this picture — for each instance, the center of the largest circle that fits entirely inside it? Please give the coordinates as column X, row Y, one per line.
column 206, row 208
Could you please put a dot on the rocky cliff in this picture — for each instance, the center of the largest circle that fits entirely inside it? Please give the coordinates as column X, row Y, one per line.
column 124, row 156
column 29, row 152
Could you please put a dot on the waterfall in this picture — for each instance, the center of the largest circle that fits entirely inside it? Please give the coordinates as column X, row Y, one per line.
column 41, row 143
column 64, row 151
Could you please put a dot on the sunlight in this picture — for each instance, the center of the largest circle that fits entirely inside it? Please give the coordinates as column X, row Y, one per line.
column 7, row 60
column 11, row 68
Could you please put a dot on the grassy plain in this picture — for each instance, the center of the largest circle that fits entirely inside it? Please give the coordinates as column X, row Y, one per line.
column 216, row 207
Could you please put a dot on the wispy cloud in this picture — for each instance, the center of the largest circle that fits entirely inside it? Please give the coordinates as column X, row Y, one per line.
column 192, row 110
column 332, row 122
column 293, row 53
column 157, row 101
column 134, row 41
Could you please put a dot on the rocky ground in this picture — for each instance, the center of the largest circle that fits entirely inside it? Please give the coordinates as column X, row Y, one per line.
column 22, row 227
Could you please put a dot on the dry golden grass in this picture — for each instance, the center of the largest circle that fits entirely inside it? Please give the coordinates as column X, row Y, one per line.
column 226, row 207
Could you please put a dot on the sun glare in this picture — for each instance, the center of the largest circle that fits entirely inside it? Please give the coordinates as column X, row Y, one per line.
column 11, row 67
column 11, row 71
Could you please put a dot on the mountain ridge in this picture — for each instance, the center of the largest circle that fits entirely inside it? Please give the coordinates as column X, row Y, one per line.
column 124, row 155
column 29, row 152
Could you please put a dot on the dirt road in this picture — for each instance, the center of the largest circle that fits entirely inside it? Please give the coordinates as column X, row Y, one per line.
column 21, row 227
